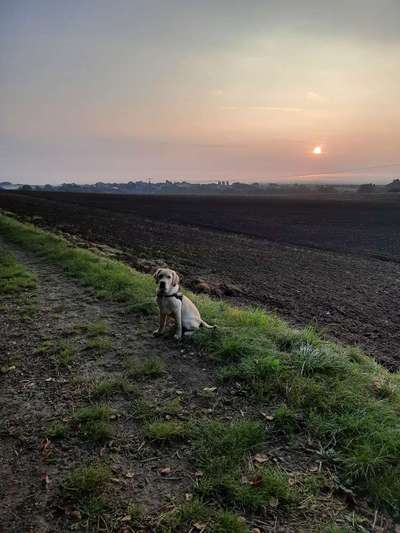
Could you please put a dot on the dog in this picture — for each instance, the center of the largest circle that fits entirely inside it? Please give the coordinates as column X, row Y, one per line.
column 172, row 302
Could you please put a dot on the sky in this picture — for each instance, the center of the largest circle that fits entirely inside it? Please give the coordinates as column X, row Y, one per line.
column 200, row 90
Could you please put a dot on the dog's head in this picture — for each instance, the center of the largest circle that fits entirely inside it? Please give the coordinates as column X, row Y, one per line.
column 167, row 280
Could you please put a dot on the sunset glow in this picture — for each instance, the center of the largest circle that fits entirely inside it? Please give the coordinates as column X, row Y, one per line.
column 199, row 90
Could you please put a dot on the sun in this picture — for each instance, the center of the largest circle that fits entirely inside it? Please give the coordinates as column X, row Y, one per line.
column 317, row 150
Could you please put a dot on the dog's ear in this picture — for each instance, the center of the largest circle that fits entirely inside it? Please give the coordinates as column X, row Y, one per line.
column 175, row 279
column 156, row 273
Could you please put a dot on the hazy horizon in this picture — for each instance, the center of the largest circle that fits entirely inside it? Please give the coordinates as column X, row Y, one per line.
column 245, row 91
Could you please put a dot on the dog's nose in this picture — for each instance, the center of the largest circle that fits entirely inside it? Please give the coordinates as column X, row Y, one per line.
column 162, row 284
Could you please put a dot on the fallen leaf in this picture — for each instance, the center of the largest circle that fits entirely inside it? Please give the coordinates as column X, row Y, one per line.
column 188, row 497
column 200, row 526
column 130, row 475
column 267, row 417
column 261, row 458
column 199, row 473
column 165, row 471
column 75, row 515
column 210, row 389
column 126, row 518
column 256, row 530
column 256, row 481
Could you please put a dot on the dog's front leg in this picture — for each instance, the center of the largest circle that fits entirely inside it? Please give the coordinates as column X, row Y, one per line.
column 178, row 318
column 161, row 329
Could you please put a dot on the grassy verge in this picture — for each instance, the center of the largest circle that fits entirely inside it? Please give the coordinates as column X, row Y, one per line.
column 334, row 393
column 14, row 277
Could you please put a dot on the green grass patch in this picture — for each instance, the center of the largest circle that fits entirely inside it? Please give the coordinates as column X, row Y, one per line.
column 109, row 387
column 222, row 451
column 99, row 343
column 342, row 397
column 14, row 277
column 86, row 481
column 194, row 514
column 152, row 367
column 93, row 423
column 57, row 430
column 96, row 328
column 166, row 430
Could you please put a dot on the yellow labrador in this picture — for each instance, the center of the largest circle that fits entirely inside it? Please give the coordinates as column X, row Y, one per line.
column 172, row 302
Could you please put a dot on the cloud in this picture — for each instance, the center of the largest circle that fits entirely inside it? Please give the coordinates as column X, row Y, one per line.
column 315, row 97
column 264, row 108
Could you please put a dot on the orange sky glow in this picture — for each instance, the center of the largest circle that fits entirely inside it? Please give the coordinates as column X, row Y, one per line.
column 199, row 90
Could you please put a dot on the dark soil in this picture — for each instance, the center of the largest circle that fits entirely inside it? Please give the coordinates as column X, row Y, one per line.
column 36, row 391
column 352, row 297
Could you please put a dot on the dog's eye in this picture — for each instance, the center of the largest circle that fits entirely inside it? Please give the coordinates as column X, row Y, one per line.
column 169, row 277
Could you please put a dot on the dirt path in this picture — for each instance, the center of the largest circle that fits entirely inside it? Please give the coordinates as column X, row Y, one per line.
column 57, row 342
column 36, row 390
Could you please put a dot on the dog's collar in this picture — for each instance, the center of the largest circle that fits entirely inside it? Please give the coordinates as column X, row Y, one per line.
column 178, row 295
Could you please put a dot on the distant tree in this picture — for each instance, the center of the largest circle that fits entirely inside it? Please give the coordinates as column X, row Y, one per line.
column 394, row 186
column 367, row 187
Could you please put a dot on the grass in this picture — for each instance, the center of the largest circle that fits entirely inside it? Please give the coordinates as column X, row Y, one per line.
column 64, row 354
column 96, row 328
column 109, row 387
column 57, row 430
column 152, row 367
column 215, row 520
column 93, row 423
column 222, row 451
column 86, row 481
column 334, row 393
column 99, row 343
column 14, row 277
column 164, row 431
column 62, row 351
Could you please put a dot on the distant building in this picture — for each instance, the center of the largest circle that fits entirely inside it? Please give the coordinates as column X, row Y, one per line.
column 394, row 186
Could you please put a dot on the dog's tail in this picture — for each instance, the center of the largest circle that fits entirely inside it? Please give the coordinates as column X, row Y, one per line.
column 204, row 324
